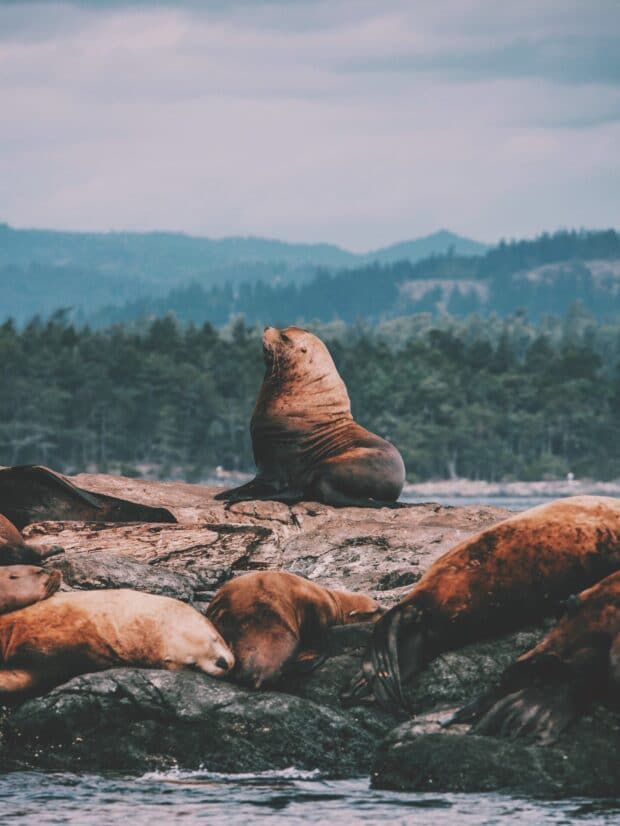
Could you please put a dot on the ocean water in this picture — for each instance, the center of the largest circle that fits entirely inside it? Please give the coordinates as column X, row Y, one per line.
column 285, row 797
column 513, row 503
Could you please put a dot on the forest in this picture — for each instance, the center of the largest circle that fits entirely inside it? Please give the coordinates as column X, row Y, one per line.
column 497, row 398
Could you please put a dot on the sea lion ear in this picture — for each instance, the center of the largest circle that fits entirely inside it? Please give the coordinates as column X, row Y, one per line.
column 304, row 349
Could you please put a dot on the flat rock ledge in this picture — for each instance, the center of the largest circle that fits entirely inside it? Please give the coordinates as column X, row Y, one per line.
column 137, row 720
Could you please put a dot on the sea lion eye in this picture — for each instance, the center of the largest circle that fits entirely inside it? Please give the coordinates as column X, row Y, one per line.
column 285, row 338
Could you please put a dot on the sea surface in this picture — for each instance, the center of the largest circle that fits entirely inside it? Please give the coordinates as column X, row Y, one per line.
column 285, row 797
column 513, row 503
column 279, row 797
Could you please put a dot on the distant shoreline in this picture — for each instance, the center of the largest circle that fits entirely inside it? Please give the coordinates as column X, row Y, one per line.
column 470, row 489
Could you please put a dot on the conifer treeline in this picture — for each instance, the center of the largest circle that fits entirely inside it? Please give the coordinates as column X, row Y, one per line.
column 497, row 399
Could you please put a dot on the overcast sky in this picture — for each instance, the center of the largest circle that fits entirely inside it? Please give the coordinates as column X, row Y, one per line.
column 359, row 123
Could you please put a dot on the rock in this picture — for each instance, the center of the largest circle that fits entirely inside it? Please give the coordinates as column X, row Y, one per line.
column 87, row 570
column 583, row 762
column 133, row 720
column 380, row 551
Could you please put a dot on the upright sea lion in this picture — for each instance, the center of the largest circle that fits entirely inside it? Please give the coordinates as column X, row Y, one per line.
column 546, row 688
column 71, row 633
column 33, row 493
column 276, row 622
column 13, row 549
column 305, row 441
column 506, row 576
column 21, row 585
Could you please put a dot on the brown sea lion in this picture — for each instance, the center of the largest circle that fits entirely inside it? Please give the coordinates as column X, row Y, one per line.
column 13, row 549
column 275, row 622
column 306, row 444
column 33, row 493
column 510, row 574
column 546, row 688
column 72, row 633
column 22, row 585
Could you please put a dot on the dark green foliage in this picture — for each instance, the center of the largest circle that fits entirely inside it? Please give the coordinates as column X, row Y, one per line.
column 493, row 399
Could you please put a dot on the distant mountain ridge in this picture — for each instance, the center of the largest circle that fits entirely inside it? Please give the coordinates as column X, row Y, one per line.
column 169, row 255
column 42, row 270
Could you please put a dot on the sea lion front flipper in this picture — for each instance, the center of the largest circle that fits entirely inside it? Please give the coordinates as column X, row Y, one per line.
column 33, row 493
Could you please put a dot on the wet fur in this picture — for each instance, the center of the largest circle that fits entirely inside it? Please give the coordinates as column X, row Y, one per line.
column 505, row 577
column 545, row 689
column 275, row 622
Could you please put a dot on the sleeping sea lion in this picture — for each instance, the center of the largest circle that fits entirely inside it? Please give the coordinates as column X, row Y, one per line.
column 505, row 577
column 79, row 631
column 275, row 622
column 306, row 444
column 21, row 585
column 14, row 551
column 546, row 688
column 33, row 493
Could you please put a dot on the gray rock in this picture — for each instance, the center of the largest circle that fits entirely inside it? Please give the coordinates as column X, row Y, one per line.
column 134, row 720
column 88, row 570
column 583, row 762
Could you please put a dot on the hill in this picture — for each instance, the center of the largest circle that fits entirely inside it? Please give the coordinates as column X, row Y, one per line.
column 545, row 276
column 42, row 270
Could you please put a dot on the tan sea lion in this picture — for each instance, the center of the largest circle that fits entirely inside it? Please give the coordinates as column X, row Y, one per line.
column 72, row 633
column 510, row 574
column 546, row 688
column 13, row 549
column 306, row 444
column 33, row 493
column 275, row 622
column 22, row 585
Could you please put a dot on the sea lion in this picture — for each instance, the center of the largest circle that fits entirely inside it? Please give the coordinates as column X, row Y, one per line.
column 14, row 551
column 510, row 574
column 33, row 493
column 79, row 631
column 21, row 585
column 546, row 688
column 275, row 622
column 306, row 444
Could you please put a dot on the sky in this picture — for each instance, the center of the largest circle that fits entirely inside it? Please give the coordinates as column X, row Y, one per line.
column 351, row 122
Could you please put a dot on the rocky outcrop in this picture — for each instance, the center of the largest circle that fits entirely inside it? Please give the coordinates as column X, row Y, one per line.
column 133, row 719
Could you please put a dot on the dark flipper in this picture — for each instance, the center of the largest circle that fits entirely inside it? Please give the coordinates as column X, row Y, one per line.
column 538, row 712
column 33, row 493
column 381, row 669
column 13, row 554
column 305, row 663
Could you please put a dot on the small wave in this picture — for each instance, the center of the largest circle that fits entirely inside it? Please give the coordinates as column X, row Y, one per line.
column 176, row 775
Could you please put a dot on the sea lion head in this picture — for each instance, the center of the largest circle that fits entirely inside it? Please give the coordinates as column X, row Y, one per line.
column 22, row 585
column 295, row 356
column 197, row 644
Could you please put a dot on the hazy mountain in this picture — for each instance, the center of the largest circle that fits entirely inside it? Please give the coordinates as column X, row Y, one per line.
column 42, row 270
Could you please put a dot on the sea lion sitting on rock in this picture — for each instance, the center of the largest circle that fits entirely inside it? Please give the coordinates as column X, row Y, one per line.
column 21, row 585
column 503, row 578
column 305, row 441
column 13, row 549
column 72, row 633
column 34, row 493
column 275, row 622
column 546, row 688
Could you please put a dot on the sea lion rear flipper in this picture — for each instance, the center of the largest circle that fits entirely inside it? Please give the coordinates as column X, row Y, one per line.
column 474, row 710
column 539, row 712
